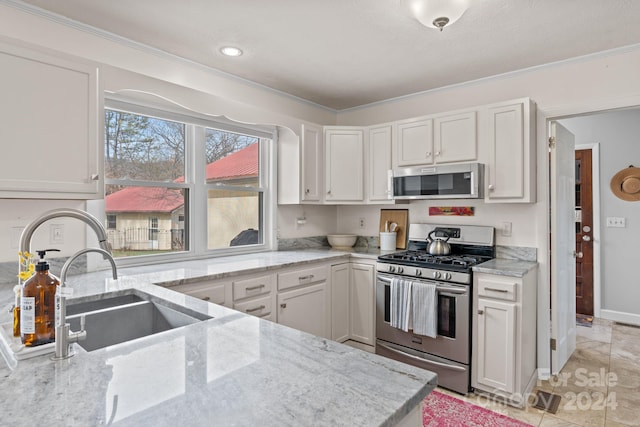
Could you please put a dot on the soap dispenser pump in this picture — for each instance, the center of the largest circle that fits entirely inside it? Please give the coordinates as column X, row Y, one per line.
column 37, row 305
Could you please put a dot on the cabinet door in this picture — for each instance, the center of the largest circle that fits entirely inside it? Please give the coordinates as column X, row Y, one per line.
column 414, row 145
column 306, row 309
column 455, row 137
column 49, row 127
column 510, row 174
column 311, row 162
column 496, row 344
column 362, row 303
column 340, row 302
column 379, row 185
column 344, row 169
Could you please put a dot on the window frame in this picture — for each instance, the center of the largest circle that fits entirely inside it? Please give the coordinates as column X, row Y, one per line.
column 195, row 181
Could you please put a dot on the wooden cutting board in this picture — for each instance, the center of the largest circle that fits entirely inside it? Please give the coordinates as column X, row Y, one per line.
column 400, row 217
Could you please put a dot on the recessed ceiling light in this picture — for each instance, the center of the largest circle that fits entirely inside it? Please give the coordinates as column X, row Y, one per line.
column 231, row 51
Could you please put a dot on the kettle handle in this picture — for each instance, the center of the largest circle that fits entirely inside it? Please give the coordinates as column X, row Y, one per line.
column 430, row 239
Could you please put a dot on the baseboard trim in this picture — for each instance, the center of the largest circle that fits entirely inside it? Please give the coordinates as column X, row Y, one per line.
column 619, row 316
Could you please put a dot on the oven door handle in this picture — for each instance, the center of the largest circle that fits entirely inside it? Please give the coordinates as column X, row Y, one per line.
column 420, row 359
column 439, row 288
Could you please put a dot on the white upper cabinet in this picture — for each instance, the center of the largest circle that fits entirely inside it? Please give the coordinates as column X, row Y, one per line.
column 379, row 164
column 344, row 164
column 414, row 142
column 455, row 138
column 50, row 126
column 510, row 170
column 311, row 163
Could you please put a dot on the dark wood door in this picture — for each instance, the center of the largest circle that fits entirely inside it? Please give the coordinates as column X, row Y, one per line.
column 584, row 233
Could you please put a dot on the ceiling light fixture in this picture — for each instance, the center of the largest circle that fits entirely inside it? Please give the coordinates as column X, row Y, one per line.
column 231, row 51
column 438, row 13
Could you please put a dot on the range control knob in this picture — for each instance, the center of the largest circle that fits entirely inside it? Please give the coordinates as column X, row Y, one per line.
column 392, row 269
column 418, row 272
column 436, row 274
column 447, row 276
column 400, row 270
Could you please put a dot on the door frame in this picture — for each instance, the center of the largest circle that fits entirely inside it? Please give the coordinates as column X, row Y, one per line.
column 595, row 187
column 544, row 116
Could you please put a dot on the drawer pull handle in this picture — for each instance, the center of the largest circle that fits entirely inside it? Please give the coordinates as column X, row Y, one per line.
column 253, row 310
column 255, row 288
column 497, row 290
column 301, row 278
column 283, row 305
column 480, row 312
column 206, row 298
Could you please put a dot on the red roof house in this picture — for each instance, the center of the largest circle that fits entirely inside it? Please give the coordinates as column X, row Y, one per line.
column 242, row 164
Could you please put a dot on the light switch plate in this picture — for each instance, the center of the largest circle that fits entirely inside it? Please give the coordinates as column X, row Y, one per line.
column 618, row 222
column 505, row 228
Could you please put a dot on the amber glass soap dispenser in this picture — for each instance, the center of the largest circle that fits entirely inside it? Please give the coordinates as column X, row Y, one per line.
column 37, row 305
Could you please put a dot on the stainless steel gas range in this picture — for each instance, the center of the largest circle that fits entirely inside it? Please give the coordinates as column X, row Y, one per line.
column 449, row 353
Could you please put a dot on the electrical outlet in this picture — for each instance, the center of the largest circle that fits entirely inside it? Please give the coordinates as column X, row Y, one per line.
column 56, row 234
column 361, row 222
column 618, row 222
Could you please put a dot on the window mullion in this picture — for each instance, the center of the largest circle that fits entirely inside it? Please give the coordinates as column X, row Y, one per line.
column 198, row 213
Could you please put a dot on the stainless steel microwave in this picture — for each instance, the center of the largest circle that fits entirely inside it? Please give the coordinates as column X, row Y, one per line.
column 457, row 181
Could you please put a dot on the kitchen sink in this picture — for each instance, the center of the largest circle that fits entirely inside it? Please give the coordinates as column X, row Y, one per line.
column 124, row 318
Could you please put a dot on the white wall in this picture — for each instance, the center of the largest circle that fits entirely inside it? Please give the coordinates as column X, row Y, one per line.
column 16, row 214
column 319, row 221
column 617, row 133
column 523, row 234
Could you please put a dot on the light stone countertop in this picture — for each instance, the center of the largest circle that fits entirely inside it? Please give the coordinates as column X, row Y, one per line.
column 505, row 267
column 231, row 370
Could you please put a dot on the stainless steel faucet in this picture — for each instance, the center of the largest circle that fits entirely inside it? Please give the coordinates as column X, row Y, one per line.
column 92, row 221
column 64, row 337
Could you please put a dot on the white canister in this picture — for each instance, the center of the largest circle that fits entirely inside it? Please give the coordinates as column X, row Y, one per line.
column 388, row 241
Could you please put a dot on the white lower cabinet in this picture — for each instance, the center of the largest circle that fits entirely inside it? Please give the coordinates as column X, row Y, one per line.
column 340, row 301
column 304, row 300
column 362, row 303
column 504, row 335
column 255, row 295
column 305, row 309
column 496, row 330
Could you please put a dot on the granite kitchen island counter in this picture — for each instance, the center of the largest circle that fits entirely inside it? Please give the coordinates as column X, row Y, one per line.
column 231, row 370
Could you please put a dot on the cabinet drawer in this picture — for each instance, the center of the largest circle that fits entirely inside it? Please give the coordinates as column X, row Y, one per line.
column 252, row 287
column 259, row 307
column 216, row 293
column 503, row 289
column 302, row 277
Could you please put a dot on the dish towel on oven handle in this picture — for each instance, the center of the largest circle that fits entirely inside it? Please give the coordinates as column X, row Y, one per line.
column 400, row 304
column 425, row 309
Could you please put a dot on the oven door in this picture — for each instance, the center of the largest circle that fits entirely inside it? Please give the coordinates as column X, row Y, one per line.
column 452, row 341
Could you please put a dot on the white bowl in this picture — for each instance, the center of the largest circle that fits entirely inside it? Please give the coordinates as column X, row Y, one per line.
column 342, row 240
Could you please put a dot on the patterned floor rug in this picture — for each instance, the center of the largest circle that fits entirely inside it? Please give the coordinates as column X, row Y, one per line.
column 442, row 410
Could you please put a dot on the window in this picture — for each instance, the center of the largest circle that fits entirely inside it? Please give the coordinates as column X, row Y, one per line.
column 178, row 184
column 234, row 199
column 111, row 222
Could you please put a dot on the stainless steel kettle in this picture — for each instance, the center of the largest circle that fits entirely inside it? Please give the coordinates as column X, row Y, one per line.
column 437, row 246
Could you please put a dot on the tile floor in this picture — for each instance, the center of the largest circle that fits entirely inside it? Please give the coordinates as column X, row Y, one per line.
column 599, row 385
